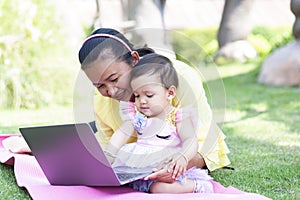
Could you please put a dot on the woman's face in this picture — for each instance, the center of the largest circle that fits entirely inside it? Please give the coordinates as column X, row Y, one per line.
column 111, row 78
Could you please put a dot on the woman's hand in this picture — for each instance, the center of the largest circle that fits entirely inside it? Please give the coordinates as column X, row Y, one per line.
column 162, row 175
column 163, row 172
column 16, row 144
column 170, row 169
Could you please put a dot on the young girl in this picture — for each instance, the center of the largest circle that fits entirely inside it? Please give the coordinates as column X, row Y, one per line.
column 159, row 133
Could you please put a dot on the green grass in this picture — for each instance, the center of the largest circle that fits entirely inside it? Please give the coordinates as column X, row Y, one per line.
column 263, row 134
column 10, row 121
column 262, row 126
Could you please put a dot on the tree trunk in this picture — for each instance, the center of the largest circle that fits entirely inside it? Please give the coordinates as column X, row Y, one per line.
column 236, row 21
column 235, row 27
column 155, row 37
column 295, row 8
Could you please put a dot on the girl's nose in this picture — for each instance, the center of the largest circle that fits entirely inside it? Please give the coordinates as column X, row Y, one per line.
column 142, row 100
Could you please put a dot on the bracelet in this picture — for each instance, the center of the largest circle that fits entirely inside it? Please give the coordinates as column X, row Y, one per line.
column 185, row 157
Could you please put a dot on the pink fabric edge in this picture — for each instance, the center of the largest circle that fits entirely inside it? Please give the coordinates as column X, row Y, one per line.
column 29, row 175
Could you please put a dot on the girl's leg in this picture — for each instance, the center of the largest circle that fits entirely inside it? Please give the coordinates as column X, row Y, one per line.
column 196, row 186
column 175, row 187
column 202, row 186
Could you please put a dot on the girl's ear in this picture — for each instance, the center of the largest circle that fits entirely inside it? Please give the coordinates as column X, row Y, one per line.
column 136, row 57
column 171, row 92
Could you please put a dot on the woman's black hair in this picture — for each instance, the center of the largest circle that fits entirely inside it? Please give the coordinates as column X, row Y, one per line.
column 108, row 47
column 155, row 64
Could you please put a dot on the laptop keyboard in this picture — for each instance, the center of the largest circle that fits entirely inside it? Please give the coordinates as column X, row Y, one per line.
column 127, row 177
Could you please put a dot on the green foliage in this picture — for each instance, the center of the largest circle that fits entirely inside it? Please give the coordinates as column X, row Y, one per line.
column 261, row 44
column 31, row 50
column 265, row 39
column 198, row 46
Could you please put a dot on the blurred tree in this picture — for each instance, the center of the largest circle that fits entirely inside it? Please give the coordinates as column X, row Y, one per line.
column 234, row 29
column 32, row 56
column 295, row 8
column 137, row 12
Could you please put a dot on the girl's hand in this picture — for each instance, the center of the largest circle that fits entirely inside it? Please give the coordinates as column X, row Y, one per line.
column 179, row 166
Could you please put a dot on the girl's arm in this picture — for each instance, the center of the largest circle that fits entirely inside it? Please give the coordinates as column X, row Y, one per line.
column 187, row 133
column 118, row 139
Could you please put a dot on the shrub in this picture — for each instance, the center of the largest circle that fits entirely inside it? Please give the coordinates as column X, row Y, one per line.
column 31, row 51
column 267, row 39
column 198, row 46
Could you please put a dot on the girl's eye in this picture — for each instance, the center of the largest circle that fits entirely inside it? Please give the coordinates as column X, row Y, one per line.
column 136, row 96
column 150, row 95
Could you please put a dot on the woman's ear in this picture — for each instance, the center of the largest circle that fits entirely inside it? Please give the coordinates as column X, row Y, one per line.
column 171, row 92
column 136, row 57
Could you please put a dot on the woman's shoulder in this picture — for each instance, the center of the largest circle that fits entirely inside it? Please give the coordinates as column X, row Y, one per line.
column 104, row 104
column 187, row 74
column 182, row 67
column 190, row 88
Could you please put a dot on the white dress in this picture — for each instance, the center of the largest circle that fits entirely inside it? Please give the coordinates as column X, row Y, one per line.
column 153, row 145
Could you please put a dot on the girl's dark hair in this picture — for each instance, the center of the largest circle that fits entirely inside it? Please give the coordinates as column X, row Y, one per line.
column 108, row 48
column 155, row 64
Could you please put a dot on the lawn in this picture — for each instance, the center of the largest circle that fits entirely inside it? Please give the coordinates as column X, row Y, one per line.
column 10, row 121
column 263, row 134
column 262, row 126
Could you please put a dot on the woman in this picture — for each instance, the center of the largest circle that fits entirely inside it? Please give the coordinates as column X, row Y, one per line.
column 107, row 57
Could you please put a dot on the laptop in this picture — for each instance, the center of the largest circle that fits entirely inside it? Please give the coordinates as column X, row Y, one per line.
column 70, row 154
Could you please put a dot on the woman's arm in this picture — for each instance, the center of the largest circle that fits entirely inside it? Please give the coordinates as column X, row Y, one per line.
column 16, row 144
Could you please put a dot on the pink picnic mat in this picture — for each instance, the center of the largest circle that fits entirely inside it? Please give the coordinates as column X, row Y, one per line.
column 29, row 175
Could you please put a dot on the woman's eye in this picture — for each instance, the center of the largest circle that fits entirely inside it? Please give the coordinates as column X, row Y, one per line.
column 99, row 86
column 114, row 80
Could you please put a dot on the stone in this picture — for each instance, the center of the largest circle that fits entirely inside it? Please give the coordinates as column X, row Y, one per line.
column 282, row 67
column 240, row 50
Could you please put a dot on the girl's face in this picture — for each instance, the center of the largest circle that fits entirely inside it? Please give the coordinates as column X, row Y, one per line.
column 111, row 78
column 151, row 97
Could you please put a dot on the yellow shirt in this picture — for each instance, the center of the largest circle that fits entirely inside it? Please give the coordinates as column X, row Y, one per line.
column 190, row 92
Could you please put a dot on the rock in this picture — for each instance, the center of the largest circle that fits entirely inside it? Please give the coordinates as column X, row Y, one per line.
column 282, row 67
column 240, row 50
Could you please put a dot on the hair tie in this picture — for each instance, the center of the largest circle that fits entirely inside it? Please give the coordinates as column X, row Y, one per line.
column 108, row 36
